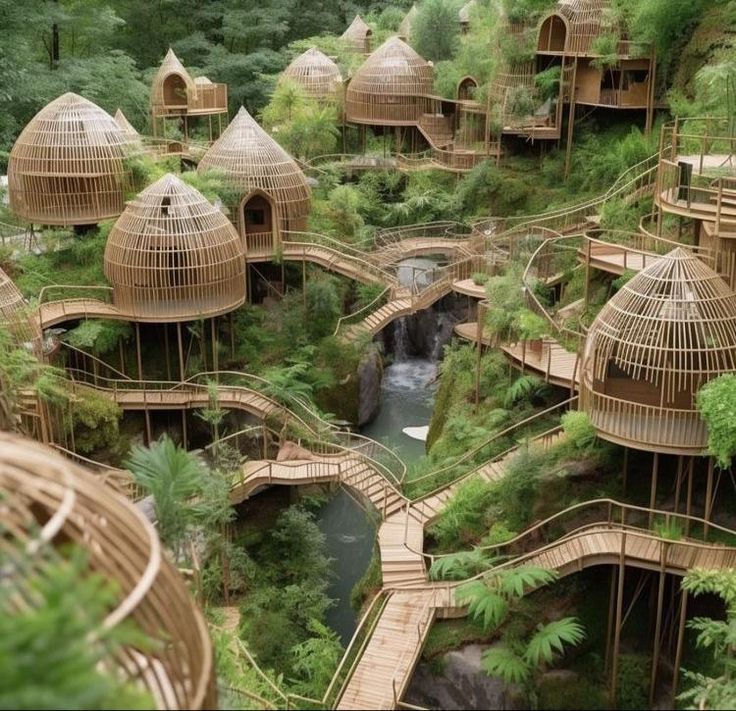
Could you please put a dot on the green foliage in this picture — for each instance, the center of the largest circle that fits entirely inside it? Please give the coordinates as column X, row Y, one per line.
column 716, row 402
column 521, row 388
column 517, row 490
column 54, row 653
column 620, row 282
column 460, row 566
column 94, row 419
column 435, row 30
column 100, row 336
column 550, row 640
column 579, row 431
column 504, row 663
column 632, row 689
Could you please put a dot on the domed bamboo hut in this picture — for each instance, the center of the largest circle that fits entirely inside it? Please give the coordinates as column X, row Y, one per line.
column 172, row 256
column 48, row 503
column 390, row 87
column 15, row 317
column 316, row 74
column 358, row 36
column 406, row 23
column 275, row 195
column 666, row 333
column 67, row 166
column 128, row 129
column 176, row 95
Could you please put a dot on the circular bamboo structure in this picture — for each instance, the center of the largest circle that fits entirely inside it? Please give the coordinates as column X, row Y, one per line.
column 390, row 87
column 67, row 166
column 172, row 256
column 173, row 88
column 358, row 35
column 260, row 168
column 316, row 74
column 15, row 317
column 48, row 502
column 666, row 333
column 406, row 23
column 574, row 26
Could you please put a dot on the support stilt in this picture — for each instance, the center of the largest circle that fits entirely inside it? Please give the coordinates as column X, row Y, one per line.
column 626, row 468
column 611, row 613
column 658, row 623
column 653, row 493
column 678, row 483
column 680, row 640
column 689, row 497
column 708, row 498
column 181, row 352
column 138, row 350
column 617, row 627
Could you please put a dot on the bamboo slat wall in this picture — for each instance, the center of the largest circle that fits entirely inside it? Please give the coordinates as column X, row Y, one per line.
column 316, row 73
column 67, row 166
column 15, row 317
column 358, row 35
column 253, row 161
column 49, row 501
column 668, row 331
column 173, row 256
column 390, row 87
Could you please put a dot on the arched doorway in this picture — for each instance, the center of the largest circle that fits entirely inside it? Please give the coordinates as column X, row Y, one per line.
column 175, row 90
column 258, row 225
column 552, row 35
column 466, row 89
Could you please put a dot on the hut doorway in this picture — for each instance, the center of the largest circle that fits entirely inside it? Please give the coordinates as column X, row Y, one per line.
column 466, row 89
column 258, row 225
column 552, row 35
column 175, row 90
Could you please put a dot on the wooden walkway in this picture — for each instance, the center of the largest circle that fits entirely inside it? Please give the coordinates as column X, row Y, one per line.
column 548, row 359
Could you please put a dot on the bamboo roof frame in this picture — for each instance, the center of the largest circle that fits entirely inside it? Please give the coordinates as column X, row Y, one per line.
column 357, row 36
column 391, row 87
column 67, row 166
column 48, row 500
column 15, row 316
column 316, row 74
column 173, row 256
column 673, row 325
column 406, row 23
column 253, row 161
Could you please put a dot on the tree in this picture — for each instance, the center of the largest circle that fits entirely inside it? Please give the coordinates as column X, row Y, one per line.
column 716, row 401
column 436, row 29
column 717, row 690
column 173, row 477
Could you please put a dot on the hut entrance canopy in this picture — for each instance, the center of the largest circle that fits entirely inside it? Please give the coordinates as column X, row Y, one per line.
column 666, row 333
column 258, row 166
column 553, row 34
column 67, row 167
column 466, row 88
column 172, row 256
column 391, row 87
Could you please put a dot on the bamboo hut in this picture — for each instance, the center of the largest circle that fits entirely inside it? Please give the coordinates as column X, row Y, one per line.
column 274, row 193
column 666, row 333
column 172, row 256
column 390, row 87
column 406, row 23
column 128, row 129
column 176, row 95
column 48, row 503
column 464, row 14
column 67, row 167
column 316, row 74
column 358, row 36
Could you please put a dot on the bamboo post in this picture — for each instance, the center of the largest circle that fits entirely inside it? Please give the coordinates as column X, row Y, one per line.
column 138, row 350
column 571, row 121
column 653, row 492
column 680, row 640
column 689, row 498
column 625, row 469
column 181, row 352
column 678, row 483
column 658, row 623
column 619, row 612
column 611, row 613
column 708, row 498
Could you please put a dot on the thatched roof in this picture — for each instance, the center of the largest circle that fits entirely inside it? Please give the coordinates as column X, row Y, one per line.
column 316, row 73
column 48, row 503
column 253, row 160
column 66, row 167
column 173, row 256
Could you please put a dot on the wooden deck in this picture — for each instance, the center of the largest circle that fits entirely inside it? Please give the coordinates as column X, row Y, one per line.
column 469, row 288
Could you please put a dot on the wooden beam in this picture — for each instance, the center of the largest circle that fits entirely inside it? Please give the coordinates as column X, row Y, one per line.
column 617, row 627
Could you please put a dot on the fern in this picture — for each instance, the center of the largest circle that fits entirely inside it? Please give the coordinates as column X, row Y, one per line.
column 504, row 663
column 484, row 604
column 460, row 565
column 516, row 581
column 550, row 639
column 521, row 388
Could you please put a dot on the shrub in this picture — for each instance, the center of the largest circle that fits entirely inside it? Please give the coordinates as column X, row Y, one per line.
column 579, row 431
column 633, row 681
column 716, row 401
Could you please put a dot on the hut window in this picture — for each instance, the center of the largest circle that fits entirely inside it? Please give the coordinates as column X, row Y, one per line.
column 165, row 203
column 611, row 79
column 255, row 216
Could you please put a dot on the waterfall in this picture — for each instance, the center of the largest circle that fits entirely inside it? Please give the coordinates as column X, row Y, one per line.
column 401, row 340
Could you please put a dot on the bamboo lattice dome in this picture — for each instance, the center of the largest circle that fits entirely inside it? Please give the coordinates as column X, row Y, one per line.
column 390, row 86
column 47, row 502
column 173, row 256
column 406, row 23
column 585, row 20
column 667, row 332
column 14, row 315
column 67, row 166
column 253, row 161
column 316, row 73
column 358, row 35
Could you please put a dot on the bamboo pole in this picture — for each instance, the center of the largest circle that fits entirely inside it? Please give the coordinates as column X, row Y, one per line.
column 619, row 611
column 680, row 640
column 653, row 492
column 658, row 623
